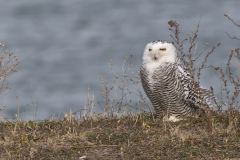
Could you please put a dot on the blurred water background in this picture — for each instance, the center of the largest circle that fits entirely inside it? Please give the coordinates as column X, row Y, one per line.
column 66, row 46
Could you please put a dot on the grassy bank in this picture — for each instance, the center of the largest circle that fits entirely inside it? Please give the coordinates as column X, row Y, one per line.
column 129, row 137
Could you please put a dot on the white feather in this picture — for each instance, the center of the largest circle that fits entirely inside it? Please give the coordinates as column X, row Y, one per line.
column 150, row 64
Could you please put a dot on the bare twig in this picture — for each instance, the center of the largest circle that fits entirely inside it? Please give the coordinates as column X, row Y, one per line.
column 204, row 62
column 232, row 37
column 233, row 21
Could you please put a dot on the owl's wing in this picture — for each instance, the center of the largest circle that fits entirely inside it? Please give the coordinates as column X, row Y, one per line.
column 193, row 93
column 145, row 82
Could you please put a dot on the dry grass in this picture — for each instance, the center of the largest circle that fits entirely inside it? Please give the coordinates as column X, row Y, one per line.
column 128, row 137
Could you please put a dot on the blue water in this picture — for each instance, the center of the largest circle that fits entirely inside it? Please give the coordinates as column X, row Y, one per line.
column 65, row 46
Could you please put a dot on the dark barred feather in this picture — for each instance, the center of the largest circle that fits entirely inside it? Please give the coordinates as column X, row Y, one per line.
column 173, row 91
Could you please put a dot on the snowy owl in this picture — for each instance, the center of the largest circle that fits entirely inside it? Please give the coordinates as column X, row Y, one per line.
column 172, row 91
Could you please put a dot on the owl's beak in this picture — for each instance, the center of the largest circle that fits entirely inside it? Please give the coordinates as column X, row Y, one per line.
column 155, row 57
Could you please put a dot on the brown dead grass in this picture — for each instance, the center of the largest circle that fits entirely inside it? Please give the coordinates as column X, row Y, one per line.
column 128, row 137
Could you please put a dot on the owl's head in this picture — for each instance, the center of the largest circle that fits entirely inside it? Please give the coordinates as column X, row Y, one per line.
column 159, row 52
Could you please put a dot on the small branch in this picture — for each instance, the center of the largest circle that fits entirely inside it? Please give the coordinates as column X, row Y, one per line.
column 232, row 37
column 204, row 62
column 229, row 18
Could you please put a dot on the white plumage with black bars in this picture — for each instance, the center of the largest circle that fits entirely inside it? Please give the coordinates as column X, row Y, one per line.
column 172, row 91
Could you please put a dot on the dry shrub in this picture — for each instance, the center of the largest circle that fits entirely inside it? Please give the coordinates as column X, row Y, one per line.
column 187, row 49
column 123, row 94
column 230, row 80
column 196, row 62
column 229, row 99
column 8, row 65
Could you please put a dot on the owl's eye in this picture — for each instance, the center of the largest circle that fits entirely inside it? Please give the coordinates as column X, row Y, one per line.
column 163, row 49
column 150, row 49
